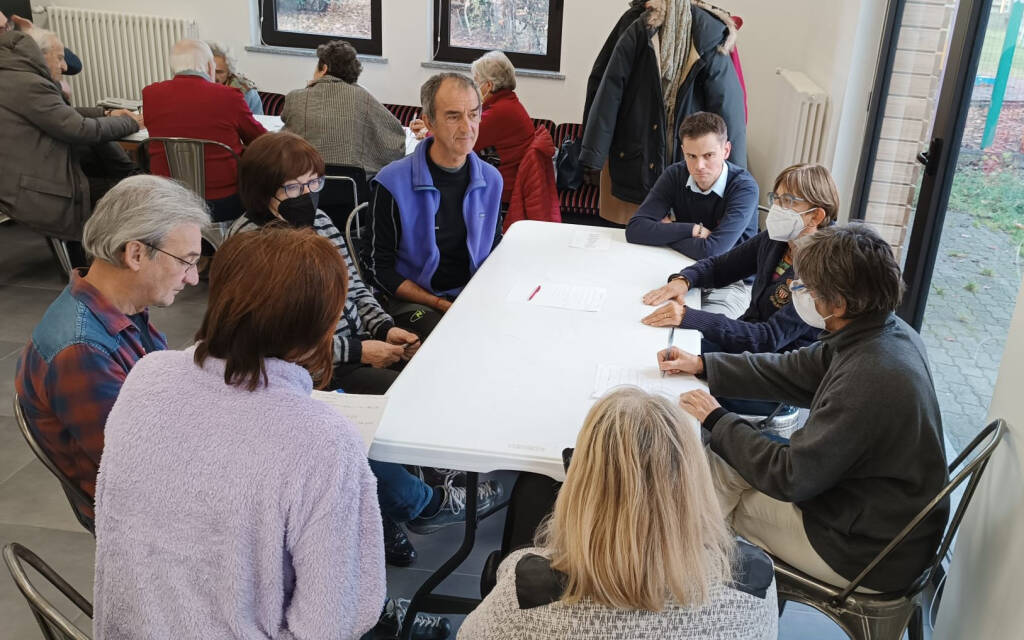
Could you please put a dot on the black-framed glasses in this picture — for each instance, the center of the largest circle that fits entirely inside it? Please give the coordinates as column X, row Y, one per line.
column 188, row 265
column 785, row 200
column 295, row 190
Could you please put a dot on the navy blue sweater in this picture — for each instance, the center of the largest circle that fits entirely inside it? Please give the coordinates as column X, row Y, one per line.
column 731, row 219
column 770, row 323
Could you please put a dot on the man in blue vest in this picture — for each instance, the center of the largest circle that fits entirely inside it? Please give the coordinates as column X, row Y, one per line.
column 435, row 212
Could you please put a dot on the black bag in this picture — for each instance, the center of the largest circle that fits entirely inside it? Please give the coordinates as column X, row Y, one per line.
column 568, row 172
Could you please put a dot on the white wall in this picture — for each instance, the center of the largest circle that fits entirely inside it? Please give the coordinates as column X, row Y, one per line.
column 833, row 41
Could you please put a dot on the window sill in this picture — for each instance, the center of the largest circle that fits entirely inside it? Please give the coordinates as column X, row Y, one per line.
column 306, row 53
column 465, row 67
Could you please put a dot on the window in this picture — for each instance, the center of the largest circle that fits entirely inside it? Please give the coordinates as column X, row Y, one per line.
column 528, row 31
column 306, row 24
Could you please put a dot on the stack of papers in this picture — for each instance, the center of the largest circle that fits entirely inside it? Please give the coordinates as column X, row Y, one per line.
column 563, row 296
column 363, row 411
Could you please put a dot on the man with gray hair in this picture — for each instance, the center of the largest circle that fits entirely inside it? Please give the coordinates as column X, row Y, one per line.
column 194, row 105
column 435, row 212
column 145, row 240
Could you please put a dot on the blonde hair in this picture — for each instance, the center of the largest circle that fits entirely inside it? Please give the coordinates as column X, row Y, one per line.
column 637, row 521
column 813, row 183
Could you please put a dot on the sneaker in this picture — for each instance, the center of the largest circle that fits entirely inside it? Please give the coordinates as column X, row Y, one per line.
column 398, row 551
column 436, row 477
column 453, row 506
column 425, row 627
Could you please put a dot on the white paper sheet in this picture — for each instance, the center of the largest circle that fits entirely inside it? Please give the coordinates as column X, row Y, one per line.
column 363, row 411
column 609, row 376
column 592, row 240
column 563, row 296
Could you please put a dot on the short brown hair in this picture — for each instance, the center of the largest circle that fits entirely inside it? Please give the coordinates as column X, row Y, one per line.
column 274, row 293
column 851, row 264
column 701, row 123
column 340, row 59
column 813, row 183
column 271, row 160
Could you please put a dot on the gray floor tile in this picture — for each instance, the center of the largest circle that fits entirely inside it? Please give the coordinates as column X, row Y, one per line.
column 801, row 622
column 14, row 452
column 70, row 554
column 178, row 322
column 27, row 260
column 23, row 307
column 32, row 496
column 10, row 348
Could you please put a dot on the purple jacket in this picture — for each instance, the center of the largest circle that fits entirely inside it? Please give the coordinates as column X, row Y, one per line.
column 224, row 513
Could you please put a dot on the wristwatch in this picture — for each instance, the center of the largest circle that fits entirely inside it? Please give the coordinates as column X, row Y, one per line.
column 679, row 276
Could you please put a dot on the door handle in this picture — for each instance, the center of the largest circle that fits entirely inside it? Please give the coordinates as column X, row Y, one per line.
column 930, row 157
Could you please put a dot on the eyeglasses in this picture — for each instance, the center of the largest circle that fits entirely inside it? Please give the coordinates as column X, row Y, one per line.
column 295, row 190
column 785, row 200
column 188, row 265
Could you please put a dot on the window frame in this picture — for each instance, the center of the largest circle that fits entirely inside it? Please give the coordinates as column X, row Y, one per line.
column 271, row 35
column 444, row 51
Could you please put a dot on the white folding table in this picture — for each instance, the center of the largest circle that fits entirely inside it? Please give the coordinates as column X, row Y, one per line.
column 506, row 385
column 270, row 123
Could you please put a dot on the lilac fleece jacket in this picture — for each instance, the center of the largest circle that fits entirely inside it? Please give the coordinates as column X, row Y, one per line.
column 224, row 513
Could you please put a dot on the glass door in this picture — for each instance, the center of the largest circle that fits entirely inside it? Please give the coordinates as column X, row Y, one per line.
column 942, row 178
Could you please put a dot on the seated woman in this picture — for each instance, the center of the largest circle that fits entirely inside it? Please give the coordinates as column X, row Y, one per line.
column 804, row 199
column 228, row 75
column 636, row 546
column 870, row 457
column 281, row 176
column 256, row 509
column 346, row 124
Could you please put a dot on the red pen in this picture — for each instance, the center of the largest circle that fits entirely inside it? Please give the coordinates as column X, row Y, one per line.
column 534, row 293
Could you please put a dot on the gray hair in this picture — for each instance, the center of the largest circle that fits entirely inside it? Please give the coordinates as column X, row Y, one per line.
column 220, row 51
column 45, row 38
column 496, row 68
column 144, row 208
column 191, row 55
column 850, row 264
column 428, row 92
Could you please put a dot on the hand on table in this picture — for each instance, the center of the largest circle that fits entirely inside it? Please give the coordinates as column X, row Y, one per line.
column 670, row 315
column 410, row 342
column 675, row 290
column 418, row 128
column 675, row 361
column 380, row 354
column 698, row 403
column 442, row 304
column 137, row 117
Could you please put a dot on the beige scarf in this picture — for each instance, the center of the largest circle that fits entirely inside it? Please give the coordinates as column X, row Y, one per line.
column 673, row 19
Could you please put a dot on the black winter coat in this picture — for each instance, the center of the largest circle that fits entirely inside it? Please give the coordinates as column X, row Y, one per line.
column 626, row 122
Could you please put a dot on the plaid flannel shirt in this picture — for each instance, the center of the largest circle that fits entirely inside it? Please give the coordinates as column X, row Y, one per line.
column 71, row 371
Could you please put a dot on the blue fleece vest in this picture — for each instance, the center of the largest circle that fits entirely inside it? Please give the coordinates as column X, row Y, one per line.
column 409, row 183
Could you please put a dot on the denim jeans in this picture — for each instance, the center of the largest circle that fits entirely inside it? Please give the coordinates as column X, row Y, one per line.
column 402, row 496
column 739, row 405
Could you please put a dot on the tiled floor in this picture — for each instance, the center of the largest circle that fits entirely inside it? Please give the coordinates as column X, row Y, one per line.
column 34, row 512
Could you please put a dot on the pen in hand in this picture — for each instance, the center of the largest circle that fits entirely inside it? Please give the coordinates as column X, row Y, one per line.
column 671, row 335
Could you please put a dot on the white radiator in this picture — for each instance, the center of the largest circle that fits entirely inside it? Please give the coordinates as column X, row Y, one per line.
column 121, row 53
column 803, row 121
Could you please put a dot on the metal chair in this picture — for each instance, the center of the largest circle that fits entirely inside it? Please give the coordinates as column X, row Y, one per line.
column 61, row 253
column 54, row 624
column 354, row 239
column 78, row 498
column 345, row 189
column 186, row 159
column 887, row 615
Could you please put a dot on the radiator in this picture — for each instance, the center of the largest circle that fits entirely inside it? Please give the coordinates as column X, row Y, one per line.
column 803, row 121
column 121, row 53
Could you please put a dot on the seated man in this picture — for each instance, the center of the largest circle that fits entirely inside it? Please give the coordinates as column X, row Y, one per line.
column 145, row 240
column 701, row 207
column 47, row 143
column 870, row 457
column 435, row 212
column 193, row 105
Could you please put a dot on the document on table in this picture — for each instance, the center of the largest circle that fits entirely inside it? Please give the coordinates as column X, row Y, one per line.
column 593, row 240
column 563, row 296
column 363, row 411
column 610, row 376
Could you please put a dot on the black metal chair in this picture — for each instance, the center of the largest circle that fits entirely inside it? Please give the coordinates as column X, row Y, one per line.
column 54, row 624
column 186, row 160
column 885, row 616
column 79, row 499
column 346, row 188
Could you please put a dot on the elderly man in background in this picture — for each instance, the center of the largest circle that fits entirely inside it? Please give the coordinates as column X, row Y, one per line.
column 145, row 240
column 435, row 212
column 55, row 160
column 194, row 105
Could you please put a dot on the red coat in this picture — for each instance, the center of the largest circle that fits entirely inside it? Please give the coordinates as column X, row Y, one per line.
column 534, row 196
column 190, row 106
column 505, row 125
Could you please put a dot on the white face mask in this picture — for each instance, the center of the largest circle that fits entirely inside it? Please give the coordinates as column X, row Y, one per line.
column 784, row 224
column 804, row 305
